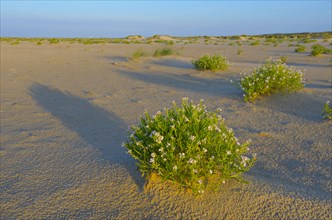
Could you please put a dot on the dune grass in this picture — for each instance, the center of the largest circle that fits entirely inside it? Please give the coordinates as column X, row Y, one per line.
column 167, row 51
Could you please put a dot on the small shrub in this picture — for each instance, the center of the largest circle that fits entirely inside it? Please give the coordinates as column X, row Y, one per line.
column 136, row 55
column 163, row 52
column 300, row 49
column 239, row 51
column 327, row 111
column 272, row 77
column 255, row 43
column 318, row 49
column 283, row 59
column 213, row 63
column 53, row 41
column 188, row 145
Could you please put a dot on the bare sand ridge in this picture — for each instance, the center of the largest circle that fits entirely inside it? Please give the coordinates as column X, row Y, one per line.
column 66, row 109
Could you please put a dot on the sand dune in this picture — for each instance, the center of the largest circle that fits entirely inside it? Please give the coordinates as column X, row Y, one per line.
column 66, row 109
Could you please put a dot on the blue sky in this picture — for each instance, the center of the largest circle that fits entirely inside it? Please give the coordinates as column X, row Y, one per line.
column 176, row 18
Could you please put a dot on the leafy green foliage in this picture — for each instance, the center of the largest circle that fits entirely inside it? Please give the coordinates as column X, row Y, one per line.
column 318, row 49
column 188, row 145
column 327, row 111
column 213, row 63
column 272, row 77
column 300, row 49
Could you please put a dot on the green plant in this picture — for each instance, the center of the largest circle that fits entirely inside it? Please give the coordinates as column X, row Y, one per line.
column 300, row 49
column 213, row 63
column 272, row 77
column 318, row 49
column 53, row 41
column 283, row 59
column 136, row 55
column 163, row 52
column 327, row 111
column 239, row 51
column 188, row 145
column 255, row 43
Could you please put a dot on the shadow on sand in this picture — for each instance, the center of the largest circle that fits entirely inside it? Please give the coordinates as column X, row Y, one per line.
column 101, row 129
column 216, row 86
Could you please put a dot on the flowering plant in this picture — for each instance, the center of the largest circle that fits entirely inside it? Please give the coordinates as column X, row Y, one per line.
column 327, row 111
column 274, row 76
column 187, row 145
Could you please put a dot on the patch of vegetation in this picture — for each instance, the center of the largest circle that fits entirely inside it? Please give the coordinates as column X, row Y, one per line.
column 54, row 41
column 163, row 52
column 255, row 43
column 239, row 51
column 307, row 41
column 318, row 49
column 300, row 49
column 327, row 111
column 283, row 59
column 137, row 54
column 213, row 63
column 272, row 77
column 188, row 145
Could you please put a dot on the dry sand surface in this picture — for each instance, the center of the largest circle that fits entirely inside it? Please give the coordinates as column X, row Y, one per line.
column 66, row 109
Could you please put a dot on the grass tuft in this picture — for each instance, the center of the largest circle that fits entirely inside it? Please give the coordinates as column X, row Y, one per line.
column 213, row 63
column 163, row 52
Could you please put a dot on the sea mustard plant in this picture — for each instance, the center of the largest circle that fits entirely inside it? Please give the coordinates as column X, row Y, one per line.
column 213, row 63
column 272, row 77
column 300, row 49
column 318, row 49
column 188, row 145
column 327, row 111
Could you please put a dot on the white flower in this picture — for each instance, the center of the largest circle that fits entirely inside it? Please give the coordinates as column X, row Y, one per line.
column 200, row 191
column 129, row 151
column 192, row 161
column 161, row 149
column 195, row 171
column 151, row 160
column 181, row 155
column 192, row 138
column 200, row 181
column 153, row 155
column 204, row 150
column 223, row 181
column 210, row 171
column 168, row 144
column 228, row 152
column 209, row 128
column 175, row 167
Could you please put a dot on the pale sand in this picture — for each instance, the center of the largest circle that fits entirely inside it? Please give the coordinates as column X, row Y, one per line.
column 66, row 108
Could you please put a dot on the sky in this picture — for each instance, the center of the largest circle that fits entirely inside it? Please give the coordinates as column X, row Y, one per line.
column 176, row 18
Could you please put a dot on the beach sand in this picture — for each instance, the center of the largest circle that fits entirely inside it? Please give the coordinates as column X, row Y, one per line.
column 66, row 109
